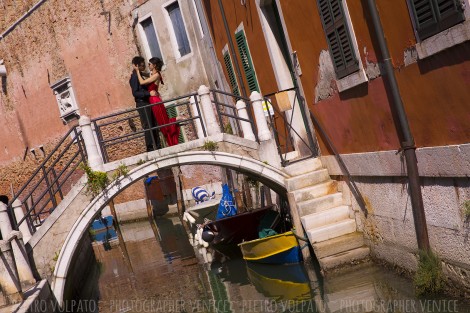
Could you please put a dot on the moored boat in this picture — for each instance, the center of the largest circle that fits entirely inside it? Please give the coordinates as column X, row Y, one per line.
column 238, row 228
column 278, row 249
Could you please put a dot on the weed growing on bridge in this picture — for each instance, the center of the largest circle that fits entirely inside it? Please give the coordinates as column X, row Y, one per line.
column 428, row 278
column 228, row 129
column 97, row 180
column 122, row 170
column 210, row 146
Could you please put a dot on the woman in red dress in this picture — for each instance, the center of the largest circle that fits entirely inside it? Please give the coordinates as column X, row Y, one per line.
column 170, row 132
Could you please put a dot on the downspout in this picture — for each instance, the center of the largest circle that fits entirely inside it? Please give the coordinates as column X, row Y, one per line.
column 408, row 145
column 232, row 50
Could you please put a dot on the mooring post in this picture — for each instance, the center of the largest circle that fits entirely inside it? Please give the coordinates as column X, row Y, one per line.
column 246, row 126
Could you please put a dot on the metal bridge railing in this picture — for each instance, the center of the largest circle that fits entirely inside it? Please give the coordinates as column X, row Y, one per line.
column 228, row 118
column 51, row 181
column 119, row 135
column 285, row 134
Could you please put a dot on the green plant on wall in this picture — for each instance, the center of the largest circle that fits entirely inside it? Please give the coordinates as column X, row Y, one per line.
column 228, row 129
column 428, row 278
column 210, row 146
column 122, row 170
column 97, row 181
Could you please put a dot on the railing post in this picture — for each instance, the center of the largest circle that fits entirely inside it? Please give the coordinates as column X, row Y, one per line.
column 9, row 279
column 195, row 109
column 94, row 158
column 25, row 273
column 246, row 126
column 263, row 130
column 208, row 113
column 19, row 214
column 22, row 263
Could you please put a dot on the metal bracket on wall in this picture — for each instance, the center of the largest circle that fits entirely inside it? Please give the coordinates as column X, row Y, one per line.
column 108, row 17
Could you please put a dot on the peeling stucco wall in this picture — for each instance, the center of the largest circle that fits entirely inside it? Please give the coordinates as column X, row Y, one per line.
column 93, row 43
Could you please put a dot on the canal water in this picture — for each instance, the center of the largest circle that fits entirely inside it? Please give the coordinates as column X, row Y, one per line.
column 152, row 267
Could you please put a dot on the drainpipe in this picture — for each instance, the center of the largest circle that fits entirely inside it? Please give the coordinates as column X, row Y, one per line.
column 232, row 49
column 408, row 145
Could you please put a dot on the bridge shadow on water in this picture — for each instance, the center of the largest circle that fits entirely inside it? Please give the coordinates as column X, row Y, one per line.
column 150, row 266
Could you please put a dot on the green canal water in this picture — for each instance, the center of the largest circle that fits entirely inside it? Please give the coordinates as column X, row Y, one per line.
column 152, row 267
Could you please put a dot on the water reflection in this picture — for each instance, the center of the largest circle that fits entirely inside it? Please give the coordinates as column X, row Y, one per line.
column 154, row 268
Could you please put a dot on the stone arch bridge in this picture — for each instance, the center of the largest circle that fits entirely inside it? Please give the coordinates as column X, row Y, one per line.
column 317, row 206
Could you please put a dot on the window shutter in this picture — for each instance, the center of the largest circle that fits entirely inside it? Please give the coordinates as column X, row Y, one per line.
column 434, row 16
column 231, row 74
column 172, row 112
column 338, row 37
column 245, row 57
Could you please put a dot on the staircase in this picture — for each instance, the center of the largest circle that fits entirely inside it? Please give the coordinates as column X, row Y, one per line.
column 327, row 220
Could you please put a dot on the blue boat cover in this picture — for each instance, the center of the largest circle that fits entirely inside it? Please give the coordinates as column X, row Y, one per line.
column 227, row 206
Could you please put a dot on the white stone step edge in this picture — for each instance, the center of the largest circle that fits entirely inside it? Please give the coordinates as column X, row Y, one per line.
column 331, row 231
column 320, row 204
column 323, row 218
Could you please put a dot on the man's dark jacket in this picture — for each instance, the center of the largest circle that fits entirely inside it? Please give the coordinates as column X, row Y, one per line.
column 140, row 92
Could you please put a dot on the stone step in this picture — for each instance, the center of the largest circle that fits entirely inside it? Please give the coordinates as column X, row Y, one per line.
column 312, row 192
column 331, row 231
column 320, row 204
column 303, row 167
column 337, row 245
column 323, row 218
column 349, row 256
column 308, row 179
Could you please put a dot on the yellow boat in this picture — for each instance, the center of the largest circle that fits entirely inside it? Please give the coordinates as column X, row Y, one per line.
column 271, row 284
column 277, row 249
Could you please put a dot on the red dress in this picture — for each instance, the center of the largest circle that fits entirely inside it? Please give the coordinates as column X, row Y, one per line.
column 170, row 132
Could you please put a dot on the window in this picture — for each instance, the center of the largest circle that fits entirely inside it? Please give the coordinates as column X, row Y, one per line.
column 179, row 30
column 151, row 37
column 245, row 57
column 200, row 17
column 231, row 73
column 433, row 16
column 338, row 36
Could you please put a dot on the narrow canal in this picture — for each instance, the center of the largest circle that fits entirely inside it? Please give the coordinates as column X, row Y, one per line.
column 152, row 267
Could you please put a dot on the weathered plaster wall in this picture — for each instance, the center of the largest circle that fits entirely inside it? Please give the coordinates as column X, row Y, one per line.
column 434, row 90
column 93, row 42
column 390, row 230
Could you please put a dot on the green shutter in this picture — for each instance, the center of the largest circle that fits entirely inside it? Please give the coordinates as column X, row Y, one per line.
column 171, row 111
column 245, row 57
column 433, row 16
column 231, row 74
column 338, row 37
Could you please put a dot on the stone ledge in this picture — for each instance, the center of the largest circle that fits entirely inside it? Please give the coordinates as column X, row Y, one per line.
column 442, row 161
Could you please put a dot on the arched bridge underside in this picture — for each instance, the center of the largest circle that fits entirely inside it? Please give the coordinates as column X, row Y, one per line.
column 236, row 159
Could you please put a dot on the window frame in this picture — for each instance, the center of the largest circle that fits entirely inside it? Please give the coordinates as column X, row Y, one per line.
column 171, row 31
column 143, row 37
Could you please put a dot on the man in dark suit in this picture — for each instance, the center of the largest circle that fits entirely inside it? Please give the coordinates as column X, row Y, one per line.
column 141, row 96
